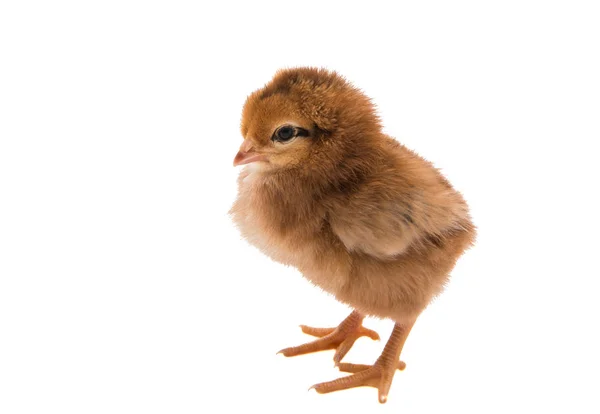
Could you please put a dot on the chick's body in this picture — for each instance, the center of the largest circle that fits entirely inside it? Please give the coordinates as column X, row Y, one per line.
column 358, row 214
column 365, row 243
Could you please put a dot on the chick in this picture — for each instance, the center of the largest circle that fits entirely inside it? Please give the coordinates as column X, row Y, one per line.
column 357, row 213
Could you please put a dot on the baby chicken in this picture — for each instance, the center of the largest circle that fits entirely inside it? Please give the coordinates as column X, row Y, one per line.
column 358, row 214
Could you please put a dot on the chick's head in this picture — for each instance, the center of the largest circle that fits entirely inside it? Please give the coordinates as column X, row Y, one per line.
column 302, row 118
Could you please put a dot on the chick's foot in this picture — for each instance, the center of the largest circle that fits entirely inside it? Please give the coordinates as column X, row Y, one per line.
column 378, row 375
column 341, row 338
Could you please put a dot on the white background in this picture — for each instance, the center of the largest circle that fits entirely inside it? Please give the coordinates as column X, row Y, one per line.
column 124, row 287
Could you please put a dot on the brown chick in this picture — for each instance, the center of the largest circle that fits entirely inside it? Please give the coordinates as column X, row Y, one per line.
column 358, row 214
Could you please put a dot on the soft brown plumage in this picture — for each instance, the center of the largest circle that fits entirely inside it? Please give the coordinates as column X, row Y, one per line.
column 360, row 215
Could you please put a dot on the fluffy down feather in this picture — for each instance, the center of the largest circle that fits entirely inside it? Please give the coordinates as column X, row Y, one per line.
column 360, row 215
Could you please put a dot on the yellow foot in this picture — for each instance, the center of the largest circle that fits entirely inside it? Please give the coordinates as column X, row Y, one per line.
column 341, row 338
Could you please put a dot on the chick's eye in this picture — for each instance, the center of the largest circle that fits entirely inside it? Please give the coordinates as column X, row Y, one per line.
column 285, row 133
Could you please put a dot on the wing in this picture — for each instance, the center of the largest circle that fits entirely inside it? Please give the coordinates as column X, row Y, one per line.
column 385, row 217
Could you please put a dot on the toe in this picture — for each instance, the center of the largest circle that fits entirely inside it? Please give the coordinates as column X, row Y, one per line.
column 368, row 332
column 318, row 332
column 361, row 379
column 352, row 368
column 320, row 344
column 343, row 349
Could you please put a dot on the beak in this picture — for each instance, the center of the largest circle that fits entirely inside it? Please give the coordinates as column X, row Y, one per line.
column 247, row 154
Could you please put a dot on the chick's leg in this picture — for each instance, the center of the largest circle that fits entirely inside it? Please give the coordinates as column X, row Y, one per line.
column 378, row 375
column 341, row 338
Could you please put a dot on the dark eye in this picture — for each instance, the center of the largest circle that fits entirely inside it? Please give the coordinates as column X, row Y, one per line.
column 285, row 133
